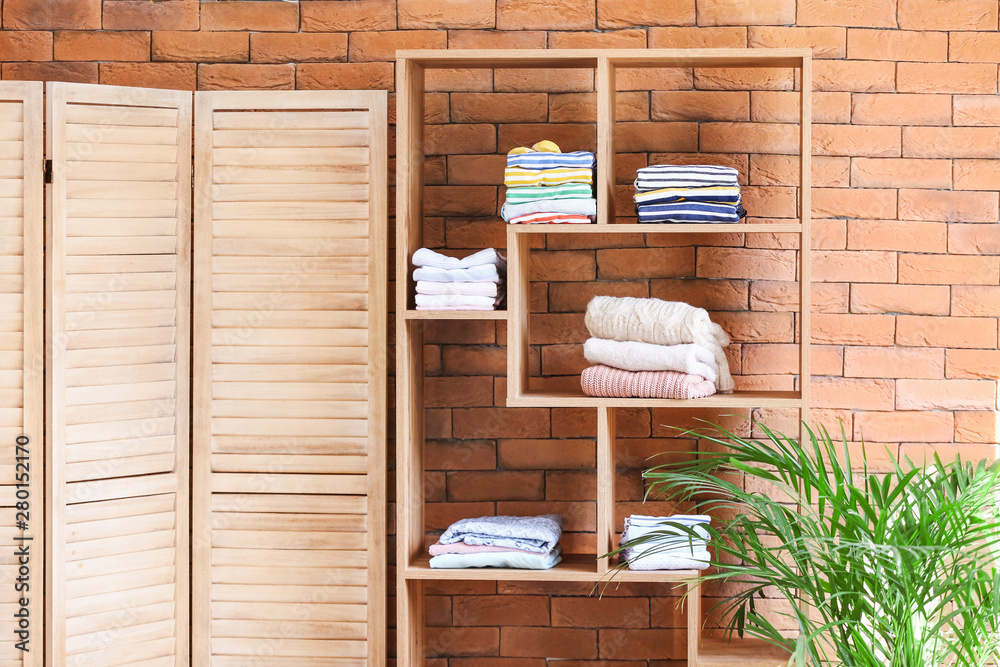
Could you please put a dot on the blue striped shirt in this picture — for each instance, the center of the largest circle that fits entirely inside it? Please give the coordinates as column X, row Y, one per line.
column 690, row 212
column 544, row 160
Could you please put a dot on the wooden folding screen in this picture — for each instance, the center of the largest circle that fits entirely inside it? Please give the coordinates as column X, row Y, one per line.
column 118, row 303
column 21, row 365
column 289, row 379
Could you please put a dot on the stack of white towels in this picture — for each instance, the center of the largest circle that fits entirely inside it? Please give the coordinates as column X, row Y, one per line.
column 475, row 282
column 670, row 547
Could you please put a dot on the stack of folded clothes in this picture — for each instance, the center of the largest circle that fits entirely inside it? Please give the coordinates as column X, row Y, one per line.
column 648, row 348
column 688, row 194
column 475, row 282
column 545, row 185
column 523, row 542
column 669, row 547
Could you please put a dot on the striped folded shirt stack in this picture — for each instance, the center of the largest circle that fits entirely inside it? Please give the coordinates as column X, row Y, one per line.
column 475, row 282
column 668, row 193
column 545, row 185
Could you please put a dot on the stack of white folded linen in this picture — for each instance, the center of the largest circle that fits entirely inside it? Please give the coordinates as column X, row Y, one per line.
column 523, row 542
column 650, row 348
column 669, row 547
column 475, row 282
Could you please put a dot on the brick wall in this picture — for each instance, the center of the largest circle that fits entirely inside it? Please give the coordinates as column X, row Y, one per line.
column 906, row 267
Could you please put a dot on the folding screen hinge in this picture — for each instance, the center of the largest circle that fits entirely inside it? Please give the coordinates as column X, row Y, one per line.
column 48, row 171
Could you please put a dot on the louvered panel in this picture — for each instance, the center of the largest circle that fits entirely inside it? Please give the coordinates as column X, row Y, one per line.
column 289, row 500
column 119, row 275
column 21, row 363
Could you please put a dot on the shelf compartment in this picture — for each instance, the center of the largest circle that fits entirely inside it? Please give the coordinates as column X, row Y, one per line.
column 717, row 652
column 455, row 315
column 574, row 567
column 707, row 228
column 738, row 399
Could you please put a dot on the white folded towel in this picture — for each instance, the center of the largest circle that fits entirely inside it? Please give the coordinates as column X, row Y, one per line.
column 700, row 561
column 428, row 257
column 485, row 273
column 467, row 289
column 439, row 301
column 635, row 356
column 670, row 547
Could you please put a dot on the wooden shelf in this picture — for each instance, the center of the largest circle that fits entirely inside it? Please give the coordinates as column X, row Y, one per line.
column 574, row 567
column 738, row 399
column 717, row 652
column 708, row 228
column 454, row 314
column 588, row 58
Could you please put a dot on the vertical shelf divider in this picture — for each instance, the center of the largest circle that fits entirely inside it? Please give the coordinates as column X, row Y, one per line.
column 518, row 300
column 606, row 474
column 604, row 188
column 805, row 241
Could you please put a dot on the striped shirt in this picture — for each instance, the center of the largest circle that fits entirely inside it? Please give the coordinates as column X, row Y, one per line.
column 718, row 194
column 550, row 219
column 545, row 160
column 684, row 176
column 516, row 177
column 587, row 207
column 691, row 212
column 538, row 192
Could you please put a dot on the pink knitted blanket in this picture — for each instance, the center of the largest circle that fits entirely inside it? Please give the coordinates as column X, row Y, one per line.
column 609, row 382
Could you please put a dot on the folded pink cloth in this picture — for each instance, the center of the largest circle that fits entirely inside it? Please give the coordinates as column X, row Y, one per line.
column 438, row 549
column 609, row 382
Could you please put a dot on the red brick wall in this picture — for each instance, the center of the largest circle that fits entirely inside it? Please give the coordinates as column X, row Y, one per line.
column 906, row 267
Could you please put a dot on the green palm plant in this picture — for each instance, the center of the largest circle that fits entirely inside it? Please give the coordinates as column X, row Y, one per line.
column 897, row 569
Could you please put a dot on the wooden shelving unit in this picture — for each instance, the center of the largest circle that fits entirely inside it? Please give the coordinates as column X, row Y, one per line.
column 412, row 561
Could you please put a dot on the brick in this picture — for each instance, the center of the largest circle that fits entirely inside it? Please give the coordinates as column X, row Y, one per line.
column 201, row 46
column 937, row 331
column 843, row 329
column 477, row 170
column 459, row 641
column 466, row 392
column 923, row 454
column 978, row 47
column 784, row 170
column 856, row 140
column 852, row 393
column 973, row 239
column 977, row 427
column 582, row 108
column 745, row 327
column 25, row 45
column 900, row 173
column 636, row 644
column 784, row 359
column 246, row 77
column 324, row 16
column 543, row 81
column 375, row 46
column 893, row 362
column 977, row 110
column 460, row 455
column 946, row 15
column 950, row 142
column 857, row 266
column 965, row 206
column 901, row 108
column 652, row 137
column 495, row 39
column 643, row 79
column 973, row 364
column 952, row 78
column 641, row 13
column 460, row 333
column 852, row 203
column 446, row 14
column 344, row 76
column 73, row 72
column 560, row 265
column 948, row 270
column 771, row 295
column 708, row 294
column 479, row 360
column 621, row 263
column 449, row 200
column 909, row 299
column 906, row 45
column 750, row 138
column 618, row 39
column 779, row 106
column 744, row 78
column 499, row 107
column 734, row 12
column 601, row 612
column 171, row 76
column 246, row 15
column 562, row 643
column 700, row 105
column 698, row 37
column 896, row 426
column 495, row 485
column 458, row 80
column 546, row 14
column 825, row 42
column 458, row 139
column 856, row 76
column 276, row 47
column 746, row 263
column 975, row 300
column 573, row 297
column 547, row 454
column 946, row 394
column 977, row 175
column 501, row 423
column 868, row 13
column 144, row 15
column 107, row 45
column 500, row 609
column 52, row 14
column 557, row 328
